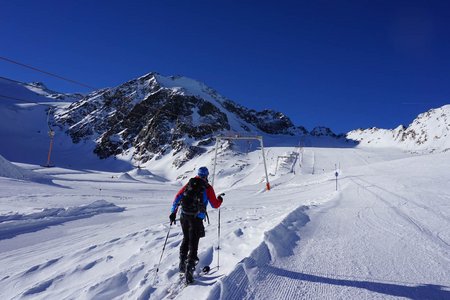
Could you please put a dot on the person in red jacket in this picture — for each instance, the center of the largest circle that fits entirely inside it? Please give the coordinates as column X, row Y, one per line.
column 193, row 199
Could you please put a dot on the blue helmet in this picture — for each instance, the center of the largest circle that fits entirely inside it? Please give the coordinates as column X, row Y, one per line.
column 203, row 172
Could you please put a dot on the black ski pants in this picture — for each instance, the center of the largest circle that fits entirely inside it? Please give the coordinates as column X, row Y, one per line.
column 192, row 231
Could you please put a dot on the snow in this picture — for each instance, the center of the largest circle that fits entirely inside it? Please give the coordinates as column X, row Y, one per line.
column 33, row 92
column 9, row 170
column 429, row 132
column 14, row 224
column 95, row 229
column 375, row 238
column 193, row 87
column 383, row 234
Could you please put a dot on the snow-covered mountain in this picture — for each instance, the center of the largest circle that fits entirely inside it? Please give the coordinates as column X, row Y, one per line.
column 152, row 122
column 96, row 232
column 153, row 116
column 429, row 132
column 41, row 89
column 33, row 91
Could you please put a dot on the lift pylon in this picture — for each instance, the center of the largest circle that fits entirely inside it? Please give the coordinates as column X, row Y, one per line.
column 240, row 137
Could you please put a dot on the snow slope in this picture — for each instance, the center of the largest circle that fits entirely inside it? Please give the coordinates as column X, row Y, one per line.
column 25, row 124
column 9, row 170
column 429, row 132
column 14, row 224
column 383, row 234
column 97, row 229
column 30, row 112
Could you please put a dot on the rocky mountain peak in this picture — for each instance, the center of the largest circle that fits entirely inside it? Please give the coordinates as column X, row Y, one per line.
column 322, row 131
column 156, row 115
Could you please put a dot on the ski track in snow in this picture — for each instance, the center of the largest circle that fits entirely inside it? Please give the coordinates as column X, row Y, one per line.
column 372, row 239
column 314, row 268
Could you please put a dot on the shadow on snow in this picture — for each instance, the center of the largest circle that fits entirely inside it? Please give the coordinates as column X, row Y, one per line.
column 425, row 291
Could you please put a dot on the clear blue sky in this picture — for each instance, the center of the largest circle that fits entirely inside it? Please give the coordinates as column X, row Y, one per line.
column 341, row 64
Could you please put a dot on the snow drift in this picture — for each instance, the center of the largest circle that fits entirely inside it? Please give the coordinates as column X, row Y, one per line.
column 14, row 224
column 9, row 170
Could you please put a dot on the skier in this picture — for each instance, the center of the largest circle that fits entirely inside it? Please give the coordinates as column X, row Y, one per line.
column 193, row 198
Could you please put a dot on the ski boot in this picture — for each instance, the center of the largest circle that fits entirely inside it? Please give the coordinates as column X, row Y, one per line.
column 182, row 265
column 189, row 275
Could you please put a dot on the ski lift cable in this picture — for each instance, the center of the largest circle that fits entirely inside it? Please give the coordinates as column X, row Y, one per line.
column 22, row 83
column 48, row 73
column 60, row 77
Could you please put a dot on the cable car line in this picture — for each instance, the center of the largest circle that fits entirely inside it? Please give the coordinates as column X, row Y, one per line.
column 48, row 73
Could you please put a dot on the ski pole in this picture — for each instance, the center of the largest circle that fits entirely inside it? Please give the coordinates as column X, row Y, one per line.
column 218, row 236
column 218, row 241
column 164, row 247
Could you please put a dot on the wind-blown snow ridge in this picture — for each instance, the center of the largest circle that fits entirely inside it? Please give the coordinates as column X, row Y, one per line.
column 9, row 170
column 278, row 242
column 14, row 224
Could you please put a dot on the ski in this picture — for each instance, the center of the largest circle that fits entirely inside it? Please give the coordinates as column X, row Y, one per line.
column 176, row 288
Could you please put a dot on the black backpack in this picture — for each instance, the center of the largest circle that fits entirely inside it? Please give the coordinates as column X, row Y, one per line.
column 192, row 201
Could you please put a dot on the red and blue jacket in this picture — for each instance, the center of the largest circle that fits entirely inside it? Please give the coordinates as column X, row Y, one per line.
column 209, row 196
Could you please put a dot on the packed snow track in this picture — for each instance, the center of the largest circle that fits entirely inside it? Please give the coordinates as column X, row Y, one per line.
column 384, row 234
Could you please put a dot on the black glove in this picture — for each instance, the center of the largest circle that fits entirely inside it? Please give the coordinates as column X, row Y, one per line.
column 220, row 197
column 172, row 218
